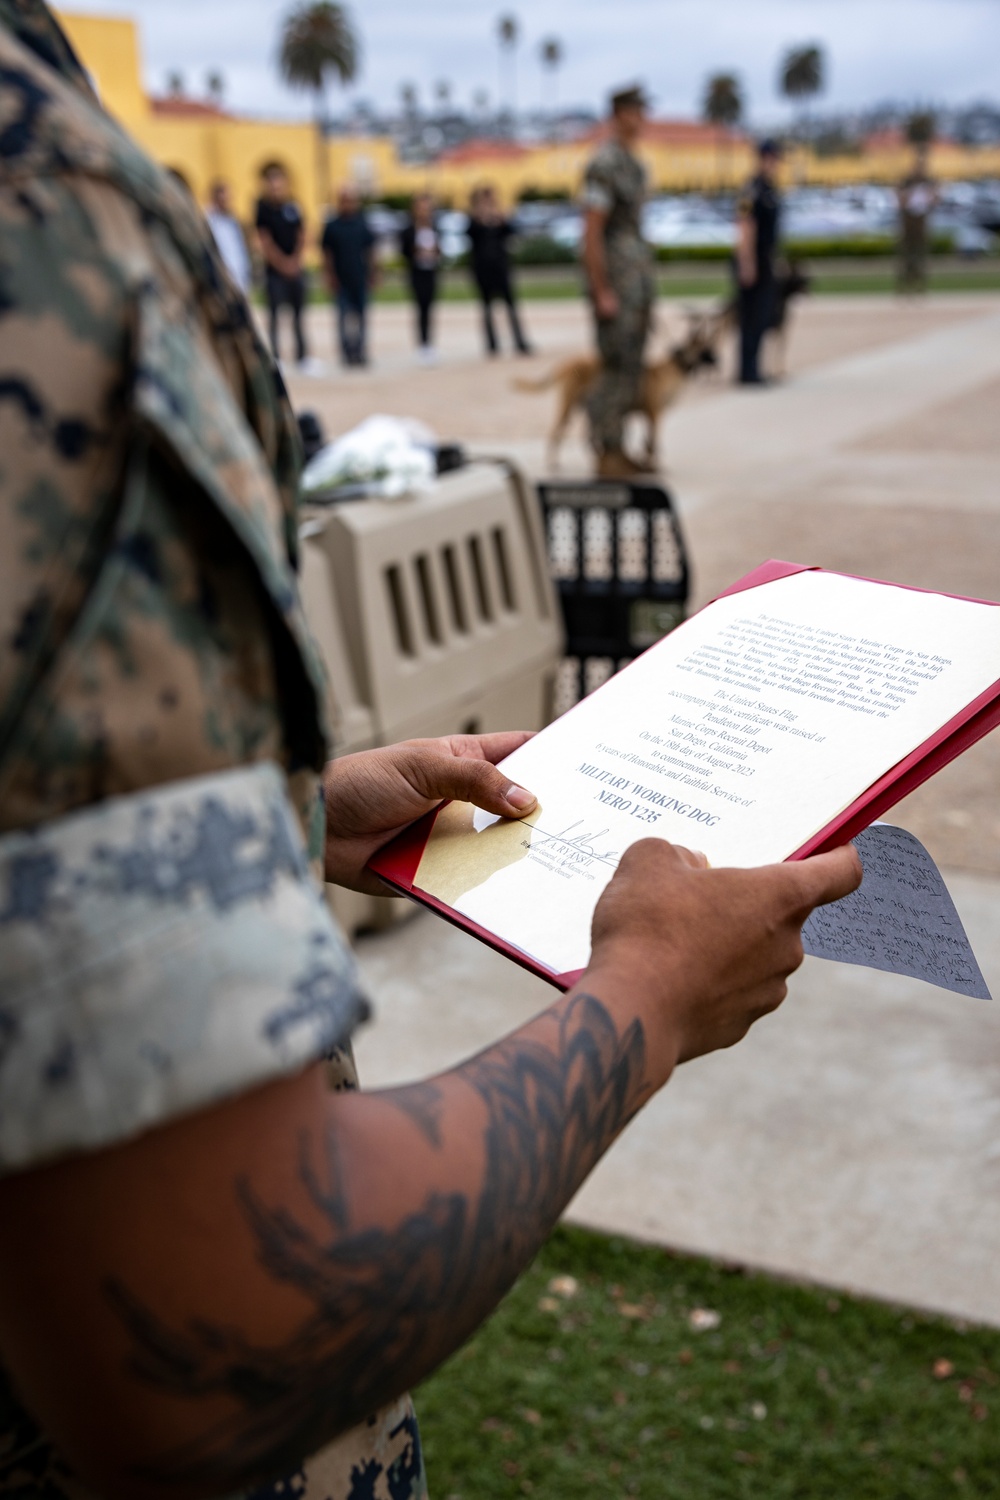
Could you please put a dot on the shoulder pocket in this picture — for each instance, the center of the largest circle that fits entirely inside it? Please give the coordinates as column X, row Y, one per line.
column 184, row 405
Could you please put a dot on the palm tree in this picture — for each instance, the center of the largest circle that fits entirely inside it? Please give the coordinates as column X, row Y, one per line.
column 408, row 99
column 551, row 53
column 442, row 92
column 318, row 42
column 175, row 85
column 508, row 35
column 723, row 100
column 920, row 127
column 802, row 75
column 215, row 84
column 723, row 105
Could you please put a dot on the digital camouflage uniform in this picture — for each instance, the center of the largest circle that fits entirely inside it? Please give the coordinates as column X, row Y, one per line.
column 164, row 942
column 615, row 185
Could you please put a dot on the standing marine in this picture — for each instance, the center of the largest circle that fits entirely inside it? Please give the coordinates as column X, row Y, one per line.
column 619, row 274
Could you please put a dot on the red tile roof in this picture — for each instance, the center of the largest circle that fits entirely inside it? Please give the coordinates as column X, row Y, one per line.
column 676, row 133
column 484, row 151
column 189, row 109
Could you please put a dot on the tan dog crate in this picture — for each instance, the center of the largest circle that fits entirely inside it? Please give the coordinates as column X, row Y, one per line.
column 434, row 613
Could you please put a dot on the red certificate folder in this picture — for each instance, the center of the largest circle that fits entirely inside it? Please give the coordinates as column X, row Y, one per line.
column 398, row 862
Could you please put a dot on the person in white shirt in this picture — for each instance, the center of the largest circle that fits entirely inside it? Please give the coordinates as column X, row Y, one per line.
column 420, row 245
column 228, row 234
column 918, row 197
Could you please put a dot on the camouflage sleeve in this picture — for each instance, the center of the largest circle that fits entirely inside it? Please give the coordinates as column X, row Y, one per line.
column 597, row 191
column 159, row 952
column 162, row 941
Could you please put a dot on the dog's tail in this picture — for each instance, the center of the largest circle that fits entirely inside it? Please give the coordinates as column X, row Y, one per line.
column 539, row 382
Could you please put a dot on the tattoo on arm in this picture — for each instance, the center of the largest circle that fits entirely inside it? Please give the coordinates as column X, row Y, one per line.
column 388, row 1303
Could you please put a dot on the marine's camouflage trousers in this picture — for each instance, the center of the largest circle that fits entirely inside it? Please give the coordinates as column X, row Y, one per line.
column 381, row 1460
column 621, row 342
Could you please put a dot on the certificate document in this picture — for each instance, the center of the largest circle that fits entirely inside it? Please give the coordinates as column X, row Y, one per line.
column 743, row 734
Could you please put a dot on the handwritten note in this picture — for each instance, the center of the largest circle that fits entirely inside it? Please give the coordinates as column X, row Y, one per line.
column 902, row 920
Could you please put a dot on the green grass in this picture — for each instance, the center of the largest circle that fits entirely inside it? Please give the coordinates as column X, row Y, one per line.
column 610, row 1392
column 705, row 279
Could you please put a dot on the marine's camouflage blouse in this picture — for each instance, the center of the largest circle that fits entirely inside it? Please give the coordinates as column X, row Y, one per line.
column 163, row 942
column 615, row 184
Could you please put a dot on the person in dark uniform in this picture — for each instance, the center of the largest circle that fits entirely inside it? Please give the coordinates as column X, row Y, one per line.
column 348, row 246
column 758, row 228
column 281, row 232
column 489, row 233
column 420, row 245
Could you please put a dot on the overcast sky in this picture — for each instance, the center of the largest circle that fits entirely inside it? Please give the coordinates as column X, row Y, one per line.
column 907, row 50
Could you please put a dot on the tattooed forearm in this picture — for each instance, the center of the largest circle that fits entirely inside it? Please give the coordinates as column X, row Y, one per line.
column 390, row 1301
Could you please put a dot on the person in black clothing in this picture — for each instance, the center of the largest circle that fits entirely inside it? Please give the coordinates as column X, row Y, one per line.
column 281, row 232
column 420, row 245
column 757, row 241
column 348, row 246
column 489, row 233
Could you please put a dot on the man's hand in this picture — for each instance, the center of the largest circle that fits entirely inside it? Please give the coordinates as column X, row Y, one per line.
column 746, row 250
column 606, row 303
column 711, row 950
column 746, row 270
column 374, row 795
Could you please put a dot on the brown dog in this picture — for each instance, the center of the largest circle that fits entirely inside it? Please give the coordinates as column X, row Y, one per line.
column 661, row 383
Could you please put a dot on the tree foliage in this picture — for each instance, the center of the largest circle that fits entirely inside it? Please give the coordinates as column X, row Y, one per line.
column 318, row 43
column 921, row 127
column 723, row 103
column 508, row 31
column 551, row 52
column 803, row 72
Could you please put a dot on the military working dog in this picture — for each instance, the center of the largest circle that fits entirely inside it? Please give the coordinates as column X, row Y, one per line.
column 662, row 381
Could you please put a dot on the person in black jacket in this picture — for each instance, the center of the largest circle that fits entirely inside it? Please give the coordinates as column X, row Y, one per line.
column 758, row 233
column 489, row 233
column 420, row 245
column 281, row 235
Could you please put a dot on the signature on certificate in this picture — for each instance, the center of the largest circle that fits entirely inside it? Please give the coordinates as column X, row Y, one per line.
column 581, row 843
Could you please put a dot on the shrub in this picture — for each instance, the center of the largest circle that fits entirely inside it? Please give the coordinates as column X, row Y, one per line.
column 540, row 250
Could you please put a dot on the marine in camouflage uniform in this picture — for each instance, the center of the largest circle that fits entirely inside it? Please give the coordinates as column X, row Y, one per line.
column 161, row 708
column 614, row 191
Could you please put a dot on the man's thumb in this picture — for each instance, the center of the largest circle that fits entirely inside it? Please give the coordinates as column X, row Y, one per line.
column 479, row 782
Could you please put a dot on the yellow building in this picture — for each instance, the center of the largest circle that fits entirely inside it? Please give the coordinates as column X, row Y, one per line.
column 202, row 143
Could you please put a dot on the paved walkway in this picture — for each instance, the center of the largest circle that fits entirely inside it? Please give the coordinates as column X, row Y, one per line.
column 855, row 1138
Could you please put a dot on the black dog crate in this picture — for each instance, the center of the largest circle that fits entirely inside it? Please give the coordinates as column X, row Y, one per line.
column 618, row 559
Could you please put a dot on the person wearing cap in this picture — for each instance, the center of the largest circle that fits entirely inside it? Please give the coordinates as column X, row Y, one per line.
column 618, row 269
column 757, row 230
